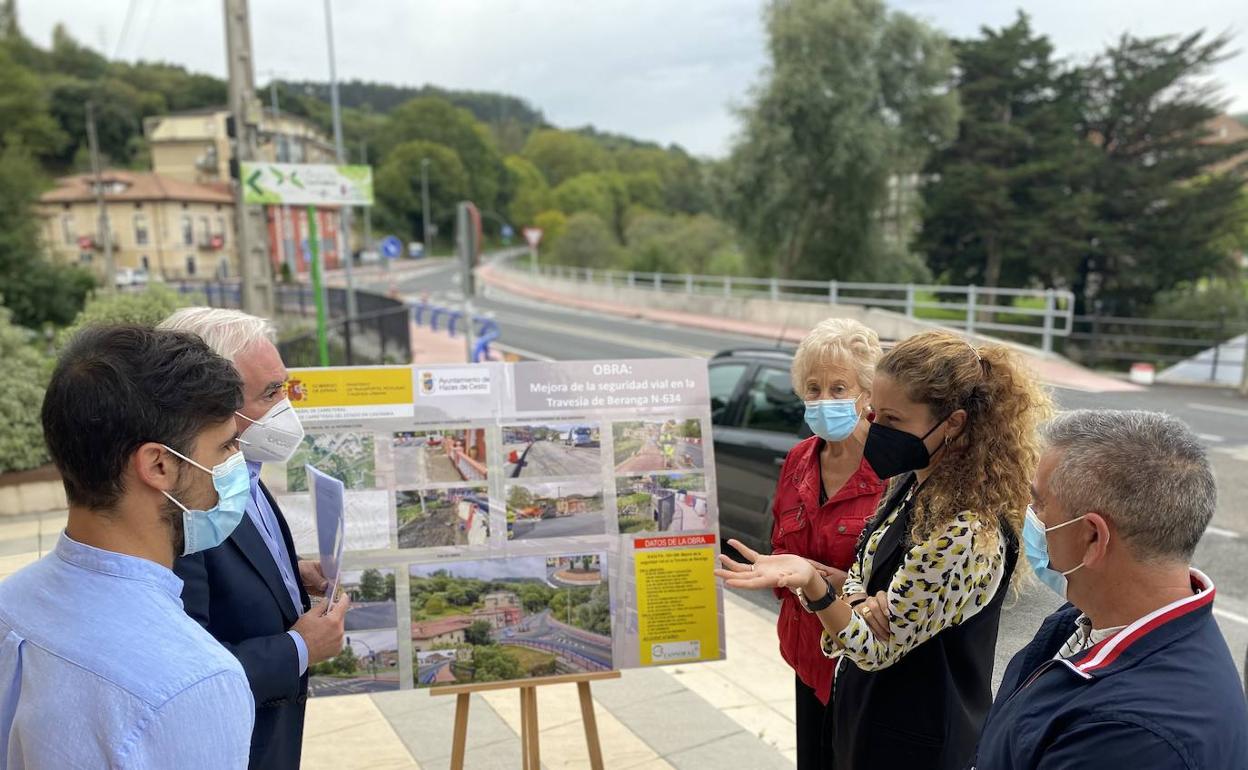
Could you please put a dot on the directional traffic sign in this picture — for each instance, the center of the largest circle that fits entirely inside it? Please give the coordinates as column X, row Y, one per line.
column 306, row 184
column 391, row 247
column 533, row 235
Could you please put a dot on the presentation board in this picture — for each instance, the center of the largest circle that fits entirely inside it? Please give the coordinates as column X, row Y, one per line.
column 507, row 521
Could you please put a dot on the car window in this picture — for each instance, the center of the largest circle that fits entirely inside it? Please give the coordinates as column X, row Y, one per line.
column 724, row 379
column 772, row 404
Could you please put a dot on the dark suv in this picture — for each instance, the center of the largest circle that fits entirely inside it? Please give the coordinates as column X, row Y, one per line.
column 757, row 419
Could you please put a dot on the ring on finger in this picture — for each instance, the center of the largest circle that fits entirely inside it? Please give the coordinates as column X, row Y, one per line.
column 865, row 612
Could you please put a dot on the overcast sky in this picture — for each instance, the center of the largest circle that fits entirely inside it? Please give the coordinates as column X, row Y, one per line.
column 654, row 69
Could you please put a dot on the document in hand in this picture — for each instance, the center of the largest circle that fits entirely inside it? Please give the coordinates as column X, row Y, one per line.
column 327, row 501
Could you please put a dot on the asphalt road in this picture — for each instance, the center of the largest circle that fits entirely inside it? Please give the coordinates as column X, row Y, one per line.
column 550, row 458
column 371, row 615
column 541, row 628
column 544, row 331
column 560, row 526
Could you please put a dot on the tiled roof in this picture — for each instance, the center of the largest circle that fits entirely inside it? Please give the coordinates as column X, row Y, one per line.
column 140, row 186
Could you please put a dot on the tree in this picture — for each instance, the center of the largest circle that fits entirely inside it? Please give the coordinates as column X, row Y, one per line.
column 389, row 586
column 526, row 191
column 587, row 242
column 553, row 224
column 24, row 117
column 22, row 381
column 519, row 497
column 36, row 291
column 1160, row 214
column 1004, row 205
column 682, row 244
column 853, row 102
column 372, row 586
column 561, row 155
column 148, row 308
column 480, row 632
column 588, row 192
column 397, row 184
column 492, row 663
column 432, row 119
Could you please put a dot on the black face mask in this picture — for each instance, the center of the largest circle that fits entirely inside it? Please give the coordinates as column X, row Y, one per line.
column 891, row 452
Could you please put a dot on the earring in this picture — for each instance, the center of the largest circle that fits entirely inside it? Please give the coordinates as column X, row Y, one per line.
column 947, row 440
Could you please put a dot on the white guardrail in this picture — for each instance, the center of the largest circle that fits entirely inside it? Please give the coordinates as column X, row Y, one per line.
column 1038, row 313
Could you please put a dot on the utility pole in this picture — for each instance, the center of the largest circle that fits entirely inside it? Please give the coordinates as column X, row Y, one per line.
column 344, row 228
column 367, row 210
column 103, row 231
column 250, row 231
column 424, row 204
column 280, row 157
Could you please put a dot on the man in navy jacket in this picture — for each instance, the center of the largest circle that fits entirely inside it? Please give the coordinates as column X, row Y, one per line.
column 251, row 592
column 1133, row 672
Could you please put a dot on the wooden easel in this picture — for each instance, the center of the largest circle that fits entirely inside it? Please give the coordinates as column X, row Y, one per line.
column 528, row 714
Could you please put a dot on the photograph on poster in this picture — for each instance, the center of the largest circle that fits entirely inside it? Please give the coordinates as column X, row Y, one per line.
column 514, row 618
column 440, row 517
column 366, row 518
column 667, row 502
column 369, row 661
column 422, row 458
column 552, row 449
column 554, row 509
column 657, row 445
column 348, row 457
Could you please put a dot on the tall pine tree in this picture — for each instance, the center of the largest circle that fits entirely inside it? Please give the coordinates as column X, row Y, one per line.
column 1161, row 215
column 1002, row 206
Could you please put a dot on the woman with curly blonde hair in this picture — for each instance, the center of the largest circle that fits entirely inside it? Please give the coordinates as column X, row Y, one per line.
column 914, row 626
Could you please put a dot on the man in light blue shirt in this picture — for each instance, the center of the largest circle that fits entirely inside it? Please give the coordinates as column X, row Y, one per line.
column 99, row 665
column 252, row 593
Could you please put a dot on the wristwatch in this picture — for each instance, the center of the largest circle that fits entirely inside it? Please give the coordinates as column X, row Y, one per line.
column 819, row 604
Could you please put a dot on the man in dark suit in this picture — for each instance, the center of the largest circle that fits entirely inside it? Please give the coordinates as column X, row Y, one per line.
column 251, row 592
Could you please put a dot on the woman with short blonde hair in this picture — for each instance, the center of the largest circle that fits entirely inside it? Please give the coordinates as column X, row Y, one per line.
column 825, row 495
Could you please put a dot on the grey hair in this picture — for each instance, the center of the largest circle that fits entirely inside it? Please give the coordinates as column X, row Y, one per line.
column 1146, row 471
column 842, row 340
column 227, row 332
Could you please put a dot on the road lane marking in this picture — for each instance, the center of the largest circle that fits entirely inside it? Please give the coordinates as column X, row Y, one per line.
column 1222, row 532
column 529, row 354
column 1228, row 615
column 1219, row 409
column 1210, row 438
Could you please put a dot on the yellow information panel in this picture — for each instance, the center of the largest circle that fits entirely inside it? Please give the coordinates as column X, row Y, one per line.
column 352, row 392
column 677, row 603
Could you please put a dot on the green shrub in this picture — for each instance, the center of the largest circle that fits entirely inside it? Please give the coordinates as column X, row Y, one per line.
column 23, row 379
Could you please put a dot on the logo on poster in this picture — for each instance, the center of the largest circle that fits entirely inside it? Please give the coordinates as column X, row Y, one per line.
column 466, row 381
column 296, row 390
column 426, row 382
column 676, row 651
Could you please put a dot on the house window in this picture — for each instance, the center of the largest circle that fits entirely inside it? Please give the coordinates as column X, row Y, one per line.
column 221, row 229
column 145, row 263
column 140, row 229
column 85, row 257
column 67, row 229
column 190, row 264
column 188, row 230
column 204, row 234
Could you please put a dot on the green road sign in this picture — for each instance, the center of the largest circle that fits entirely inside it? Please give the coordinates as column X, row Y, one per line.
column 306, row 184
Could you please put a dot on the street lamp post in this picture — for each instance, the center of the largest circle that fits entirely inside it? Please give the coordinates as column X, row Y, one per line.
column 344, row 222
column 424, row 204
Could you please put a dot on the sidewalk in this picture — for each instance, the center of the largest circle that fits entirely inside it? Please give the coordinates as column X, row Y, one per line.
column 737, row 711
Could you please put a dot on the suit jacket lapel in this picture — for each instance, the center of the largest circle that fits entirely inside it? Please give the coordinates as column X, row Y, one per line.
column 251, row 543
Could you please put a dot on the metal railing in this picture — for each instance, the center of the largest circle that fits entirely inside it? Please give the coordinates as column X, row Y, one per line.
column 1026, row 314
column 1116, row 342
column 485, row 329
column 379, row 334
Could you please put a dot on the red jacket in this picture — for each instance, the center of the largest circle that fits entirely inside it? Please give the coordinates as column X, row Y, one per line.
column 827, row 534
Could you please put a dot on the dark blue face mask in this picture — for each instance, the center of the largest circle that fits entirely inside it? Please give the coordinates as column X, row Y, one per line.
column 891, row 452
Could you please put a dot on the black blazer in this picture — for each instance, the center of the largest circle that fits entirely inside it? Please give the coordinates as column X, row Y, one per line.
column 925, row 711
column 236, row 592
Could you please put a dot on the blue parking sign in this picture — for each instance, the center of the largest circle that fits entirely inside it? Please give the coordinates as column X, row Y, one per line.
column 391, row 247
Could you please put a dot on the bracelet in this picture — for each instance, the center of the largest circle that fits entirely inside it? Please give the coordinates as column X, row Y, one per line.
column 857, row 601
column 823, row 603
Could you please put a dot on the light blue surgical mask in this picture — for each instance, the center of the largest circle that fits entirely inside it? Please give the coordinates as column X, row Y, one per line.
column 1036, row 544
column 833, row 419
column 207, row 529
